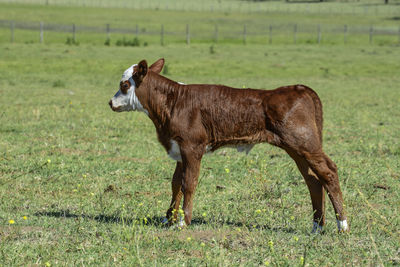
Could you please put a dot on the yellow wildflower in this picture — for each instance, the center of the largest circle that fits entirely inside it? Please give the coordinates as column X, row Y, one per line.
column 271, row 245
column 11, row 221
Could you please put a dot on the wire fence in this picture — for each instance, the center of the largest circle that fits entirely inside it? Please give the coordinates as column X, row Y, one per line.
column 30, row 32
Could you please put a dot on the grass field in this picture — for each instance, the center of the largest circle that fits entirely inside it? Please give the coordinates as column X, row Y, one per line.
column 82, row 185
column 91, row 25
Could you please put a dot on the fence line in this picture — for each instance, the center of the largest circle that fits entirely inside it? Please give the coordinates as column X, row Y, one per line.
column 283, row 32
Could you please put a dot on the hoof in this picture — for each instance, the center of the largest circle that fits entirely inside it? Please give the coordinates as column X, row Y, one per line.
column 342, row 226
column 317, row 229
column 180, row 224
column 165, row 221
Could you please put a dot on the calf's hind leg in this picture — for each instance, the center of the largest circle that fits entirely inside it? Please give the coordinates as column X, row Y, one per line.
column 316, row 189
column 326, row 171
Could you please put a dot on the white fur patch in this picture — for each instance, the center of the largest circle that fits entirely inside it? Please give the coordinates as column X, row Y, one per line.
column 175, row 152
column 208, row 149
column 181, row 222
column 342, row 225
column 128, row 73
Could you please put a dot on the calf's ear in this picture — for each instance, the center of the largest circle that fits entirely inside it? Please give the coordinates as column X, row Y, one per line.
column 157, row 66
column 142, row 69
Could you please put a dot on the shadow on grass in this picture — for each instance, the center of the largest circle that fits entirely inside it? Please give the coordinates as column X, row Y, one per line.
column 155, row 221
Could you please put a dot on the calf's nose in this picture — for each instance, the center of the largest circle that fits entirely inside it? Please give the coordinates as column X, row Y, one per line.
column 110, row 103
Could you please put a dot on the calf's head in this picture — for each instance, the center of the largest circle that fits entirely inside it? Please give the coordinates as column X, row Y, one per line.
column 131, row 82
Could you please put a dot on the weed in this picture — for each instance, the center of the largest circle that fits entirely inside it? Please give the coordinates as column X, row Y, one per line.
column 58, row 83
column 212, row 50
column 124, row 42
column 71, row 41
column 107, row 42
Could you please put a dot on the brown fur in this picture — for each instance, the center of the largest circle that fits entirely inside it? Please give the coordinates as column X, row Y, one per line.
column 197, row 116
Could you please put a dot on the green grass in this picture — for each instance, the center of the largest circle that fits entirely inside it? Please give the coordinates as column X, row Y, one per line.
column 107, row 171
column 366, row 7
column 94, row 184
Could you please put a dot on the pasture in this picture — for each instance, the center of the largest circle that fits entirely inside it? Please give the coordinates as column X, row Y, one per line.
column 82, row 185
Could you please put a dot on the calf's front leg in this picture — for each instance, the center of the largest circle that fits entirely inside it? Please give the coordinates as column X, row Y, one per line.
column 176, row 185
column 191, row 159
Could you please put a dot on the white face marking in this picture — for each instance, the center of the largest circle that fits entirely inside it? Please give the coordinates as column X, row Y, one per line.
column 342, row 225
column 175, row 152
column 129, row 101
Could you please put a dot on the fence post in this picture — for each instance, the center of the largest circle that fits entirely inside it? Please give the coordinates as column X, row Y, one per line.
column 162, row 34
column 345, row 34
column 73, row 33
column 319, row 34
column 295, row 34
column 41, row 32
column 216, row 34
column 137, row 30
column 187, row 34
column 270, row 34
column 371, row 31
column 12, row 26
column 108, row 32
column 244, row 34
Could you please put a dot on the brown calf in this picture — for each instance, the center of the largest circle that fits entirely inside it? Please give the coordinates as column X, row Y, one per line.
column 191, row 120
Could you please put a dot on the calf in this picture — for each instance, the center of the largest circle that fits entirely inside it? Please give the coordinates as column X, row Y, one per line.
column 191, row 120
